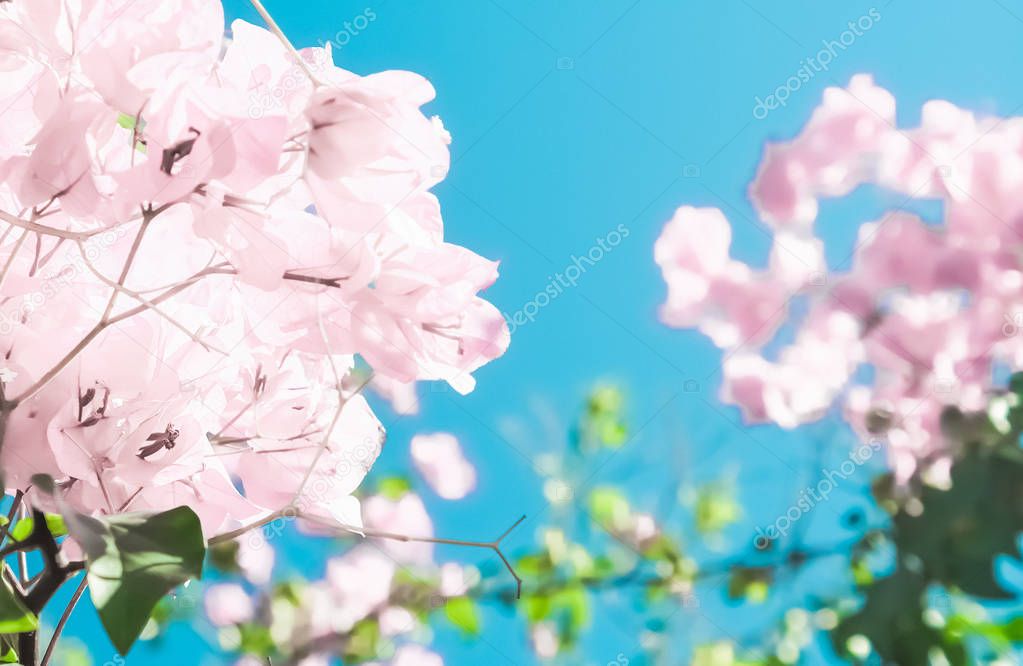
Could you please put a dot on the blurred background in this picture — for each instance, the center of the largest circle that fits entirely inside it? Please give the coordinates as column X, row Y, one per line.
column 577, row 122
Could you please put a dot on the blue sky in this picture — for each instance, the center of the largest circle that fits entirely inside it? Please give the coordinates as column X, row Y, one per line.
column 570, row 118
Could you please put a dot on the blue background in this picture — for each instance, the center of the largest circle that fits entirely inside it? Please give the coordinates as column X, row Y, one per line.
column 571, row 117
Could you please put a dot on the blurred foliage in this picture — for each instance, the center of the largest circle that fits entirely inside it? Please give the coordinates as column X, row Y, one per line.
column 917, row 585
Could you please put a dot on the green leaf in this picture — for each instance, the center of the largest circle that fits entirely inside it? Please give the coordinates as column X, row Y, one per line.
column 363, row 642
column 56, row 525
column 573, row 600
column 861, row 573
column 534, row 566
column 961, row 530
column 462, row 613
column 256, row 640
column 23, row 528
column 1013, row 630
column 892, row 620
column 8, row 649
column 291, row 592
column 126, row 121
column 602, row 423
column 609, row 507
column 716, row 508
column 14, row 617
column 224, row 557
column 751, row 584
column 536, row 607
column 133, row 560
column 394, row 487
column 606, row 400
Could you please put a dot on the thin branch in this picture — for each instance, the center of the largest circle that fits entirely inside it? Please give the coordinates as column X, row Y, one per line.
column 15, row 505
column 276, row 30
column 341, row 402
column 245, row 529
column 63, row 620
column 102, row 325
column 509, row 530
column 351, row 530
column 14, row 255
column 30, row 226
column 149, row 304
column 22, row 555
column 494, row 545
column 633, row 576
column 326, row 282
column 146, row 219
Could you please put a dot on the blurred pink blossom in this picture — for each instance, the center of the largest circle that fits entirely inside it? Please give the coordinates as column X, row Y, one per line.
column 438, row 458
column 228, row 604
column 933, row 309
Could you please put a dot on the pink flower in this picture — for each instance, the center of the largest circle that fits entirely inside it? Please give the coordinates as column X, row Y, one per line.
column 453, row 580
column 255, row 558
column 198, row 239
column 438, row 457
column 406, row 515
column 933, row 309
column 359, row 583
column 395, row 621
column 401, row 395
column 228, row 604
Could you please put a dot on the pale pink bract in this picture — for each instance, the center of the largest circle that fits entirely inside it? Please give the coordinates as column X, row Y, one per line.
column 197, row 237
column 935, row 310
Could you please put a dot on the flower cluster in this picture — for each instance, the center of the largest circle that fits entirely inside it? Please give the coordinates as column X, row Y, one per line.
column 920, row 317
column 370, row 599
column 264, row 217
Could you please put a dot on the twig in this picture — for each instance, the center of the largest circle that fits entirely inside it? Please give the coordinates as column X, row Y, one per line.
column 30, row 226
column 341, row 402
column 276, row 30
column 245, row 529
column 22, row 555
column 351, row 530
column 15, row 505
column 143, row 300
column 494, row 545
column 63, row 620
column 102, row 325
column 147, row 217
column 46, row 584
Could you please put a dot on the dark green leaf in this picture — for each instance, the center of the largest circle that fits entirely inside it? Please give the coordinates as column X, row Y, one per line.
column 960, row 531
column 133, row 560
column 892, row 620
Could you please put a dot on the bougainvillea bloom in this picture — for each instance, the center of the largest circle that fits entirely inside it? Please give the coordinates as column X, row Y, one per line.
column 198, row 235
column 933, row 310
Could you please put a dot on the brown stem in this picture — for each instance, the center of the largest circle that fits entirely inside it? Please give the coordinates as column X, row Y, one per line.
column 63, row 620
column 495, row 545
column 46, row 584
